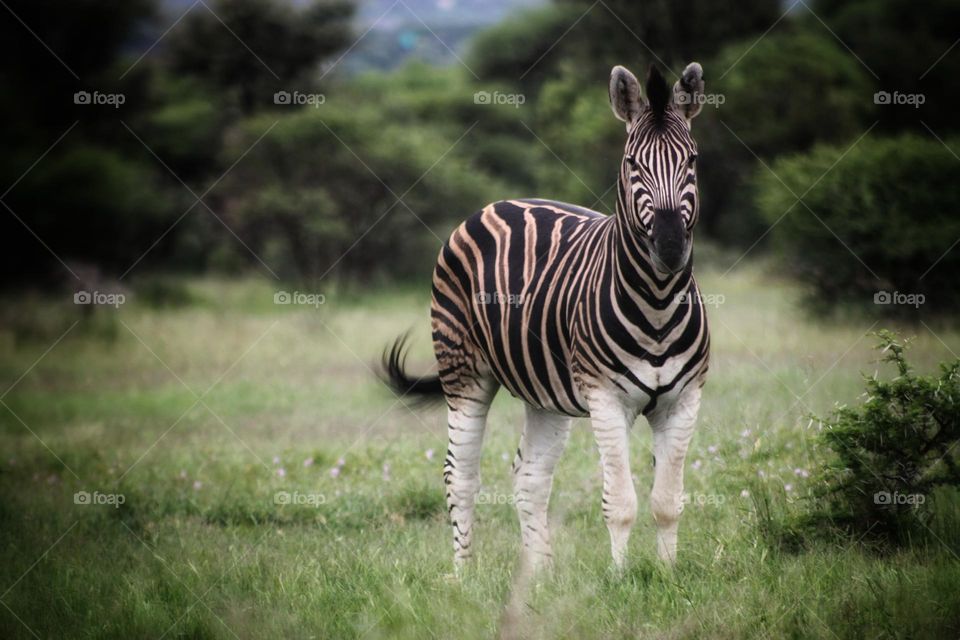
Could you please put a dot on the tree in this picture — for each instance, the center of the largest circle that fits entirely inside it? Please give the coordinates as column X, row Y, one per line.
column 250, row 49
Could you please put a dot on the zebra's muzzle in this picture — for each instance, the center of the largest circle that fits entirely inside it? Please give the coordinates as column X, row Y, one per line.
column 671, row 241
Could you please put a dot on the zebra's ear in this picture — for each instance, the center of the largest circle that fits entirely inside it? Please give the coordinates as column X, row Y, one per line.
column 625, row 95
column 688, row 91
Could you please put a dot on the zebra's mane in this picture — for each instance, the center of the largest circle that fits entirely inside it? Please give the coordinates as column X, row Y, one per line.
column 658, row 94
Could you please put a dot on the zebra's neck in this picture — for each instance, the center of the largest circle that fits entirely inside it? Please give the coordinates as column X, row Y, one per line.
column 635, row 277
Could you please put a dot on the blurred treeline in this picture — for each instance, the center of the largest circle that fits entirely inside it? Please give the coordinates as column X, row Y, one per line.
column 365, row 185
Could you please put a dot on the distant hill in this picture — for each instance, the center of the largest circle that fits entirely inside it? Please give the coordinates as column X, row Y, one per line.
column 442, row 12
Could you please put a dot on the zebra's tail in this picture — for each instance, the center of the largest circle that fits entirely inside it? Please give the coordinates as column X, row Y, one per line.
column 421, row 390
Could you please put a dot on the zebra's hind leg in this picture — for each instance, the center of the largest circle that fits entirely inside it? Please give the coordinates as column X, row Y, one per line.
column 466, row 420
column 544, row 438
column 672, row 430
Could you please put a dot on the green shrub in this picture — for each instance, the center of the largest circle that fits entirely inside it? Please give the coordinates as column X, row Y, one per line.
column 878, row 217
column 339, row 190
column 791, row 91
column 892, row 453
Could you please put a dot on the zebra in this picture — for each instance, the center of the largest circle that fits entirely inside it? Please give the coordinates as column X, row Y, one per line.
column 577, row 314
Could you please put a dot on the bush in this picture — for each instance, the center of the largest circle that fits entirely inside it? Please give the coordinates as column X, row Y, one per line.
column 892, row 452
column 881, row 218
column 340, row 191
column 791, row 91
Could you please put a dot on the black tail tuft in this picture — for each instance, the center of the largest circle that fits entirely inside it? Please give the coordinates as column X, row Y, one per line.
column 420, row 390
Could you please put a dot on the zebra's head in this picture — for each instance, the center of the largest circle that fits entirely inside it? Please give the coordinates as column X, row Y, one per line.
column 658, row 175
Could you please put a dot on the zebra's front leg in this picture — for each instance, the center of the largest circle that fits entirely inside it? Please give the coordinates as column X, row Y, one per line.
column 544, row 438
column 672, row 430
column 461, row 472
column 611, row 425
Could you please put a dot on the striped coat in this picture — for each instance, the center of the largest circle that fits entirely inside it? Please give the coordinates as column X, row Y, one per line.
column 555, row 298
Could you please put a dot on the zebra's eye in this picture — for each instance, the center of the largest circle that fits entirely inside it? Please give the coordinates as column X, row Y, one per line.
column 631, row 161
column 691, row 161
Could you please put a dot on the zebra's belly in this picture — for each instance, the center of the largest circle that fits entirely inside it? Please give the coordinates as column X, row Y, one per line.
column 639, row 387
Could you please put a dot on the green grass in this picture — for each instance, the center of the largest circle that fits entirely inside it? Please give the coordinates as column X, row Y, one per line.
column 188, row 423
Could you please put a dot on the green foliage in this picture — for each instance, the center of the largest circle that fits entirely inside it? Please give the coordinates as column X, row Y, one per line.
column 289, row 41
column 398, row 188
column 668, row 33
column 791, row 90
column 909, row 48
column 878, row 217
column 518, row 50
column 95, row 205
column 891, row 452
column 575, row 123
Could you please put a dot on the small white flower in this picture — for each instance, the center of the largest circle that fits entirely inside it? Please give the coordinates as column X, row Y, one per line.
column 429, row 454
column 744, row 494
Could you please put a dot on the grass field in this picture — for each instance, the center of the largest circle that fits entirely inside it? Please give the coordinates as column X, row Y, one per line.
column 271, row 488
